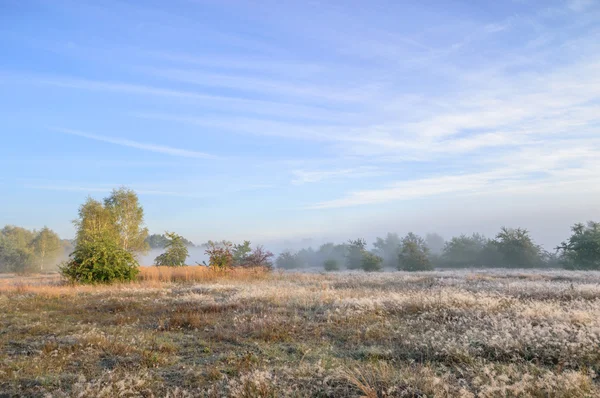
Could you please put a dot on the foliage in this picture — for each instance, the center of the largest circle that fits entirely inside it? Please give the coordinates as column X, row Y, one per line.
column 464, row 251
column 287, row 260
column 127, row 218
column 160, row 241
column 94, row 222
column 331, row 265
column 220, row 255
column 388, row 249
column 582, row 249
column 259, row 257
column 47, row 247
column 101, row 260
column 354, row 255
column 517, row 249
column 413, row 254
column 371, row 262
column 176, row 251
column 241, row 253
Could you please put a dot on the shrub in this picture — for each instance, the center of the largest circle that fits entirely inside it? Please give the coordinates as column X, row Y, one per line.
column 259, row 257
column 331, row 265
column 176, row 252
column 371, row 262
column 582, row 249
column 220, row 256
column 100, row 261
column 414, row 254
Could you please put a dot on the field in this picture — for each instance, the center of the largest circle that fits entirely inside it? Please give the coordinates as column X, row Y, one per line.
column 191, row 332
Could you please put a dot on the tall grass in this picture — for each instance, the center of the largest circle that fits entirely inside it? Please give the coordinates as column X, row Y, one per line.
column 199, row 274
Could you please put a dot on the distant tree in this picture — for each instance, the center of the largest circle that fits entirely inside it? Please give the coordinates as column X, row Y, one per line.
column 354, row 255
column 331, row 265
column 287, row 260
column 127, row 216
column 47, row 248
column 388, row 249
column 159, row 241
column 414, row 254
column 331, row 251
column 435, row 243
column 307, row 257
column 582, row 249
column 464, row 251
column 371, row 262
column 220, row 256
column 100, row 260
column 176, row 251
column 517, row 249
column 16, row 251
column 241, row 253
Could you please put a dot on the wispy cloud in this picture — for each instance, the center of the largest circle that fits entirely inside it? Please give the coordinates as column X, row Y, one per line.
column 312, row 176
column 167, row 150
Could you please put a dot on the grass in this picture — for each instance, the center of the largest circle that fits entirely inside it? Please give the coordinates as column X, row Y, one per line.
column 187, row 332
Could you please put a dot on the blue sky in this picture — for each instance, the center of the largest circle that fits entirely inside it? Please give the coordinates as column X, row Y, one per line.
column 285, row 120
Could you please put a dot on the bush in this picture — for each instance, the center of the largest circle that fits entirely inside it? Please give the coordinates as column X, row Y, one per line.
column 100, row 261
column 220, row 255
column 287, row 260
column 582, row 249
column 331, row 265
column 371, row 262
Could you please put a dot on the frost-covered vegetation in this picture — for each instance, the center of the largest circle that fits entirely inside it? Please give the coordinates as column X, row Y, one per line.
column 193, row 331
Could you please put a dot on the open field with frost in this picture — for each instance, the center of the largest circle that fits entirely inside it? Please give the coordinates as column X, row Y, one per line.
column 190, row 332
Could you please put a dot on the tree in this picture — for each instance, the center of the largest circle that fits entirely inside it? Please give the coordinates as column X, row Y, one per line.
column 354, row 255
column 159, row 241
column 259, row 257
column 220, row 256
column 582, row 249
column 413, row 254
column 388, row 249
column 287, row 260
column 371, row 262
column 517, row 249
column 16, row 252
column 94, row 222
column 101, row 260
column 127, row 216
column 331, row 265
column 47, row 247
column 241, row 253
column 464, row 251
column 176, row 251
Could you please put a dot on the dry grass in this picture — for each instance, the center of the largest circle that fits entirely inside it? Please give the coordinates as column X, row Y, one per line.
column 189, row 331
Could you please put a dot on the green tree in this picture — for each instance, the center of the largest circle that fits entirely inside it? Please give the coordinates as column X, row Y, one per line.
column 127, row 216
column 464, row 251
column 331, row 265
column 354, row 255
column 16, row 252
column 241, row 253
column 371, row 262
column 413, row 254
column 94, row 222
column 101, row 260
column 47, row 248
column 435, row 243
column 176, row 251
column 582, row 249
column 517, row 249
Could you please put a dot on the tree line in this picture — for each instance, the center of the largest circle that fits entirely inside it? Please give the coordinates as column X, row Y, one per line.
column 111, row 235
column 510, row 248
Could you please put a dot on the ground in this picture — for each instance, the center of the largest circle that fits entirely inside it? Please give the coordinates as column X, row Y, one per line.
column 191, row 332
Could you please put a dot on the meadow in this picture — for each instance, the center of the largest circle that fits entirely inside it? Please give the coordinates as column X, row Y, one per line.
column 190, row 331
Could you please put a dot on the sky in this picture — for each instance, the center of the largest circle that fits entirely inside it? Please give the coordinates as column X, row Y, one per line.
column 289, row 120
